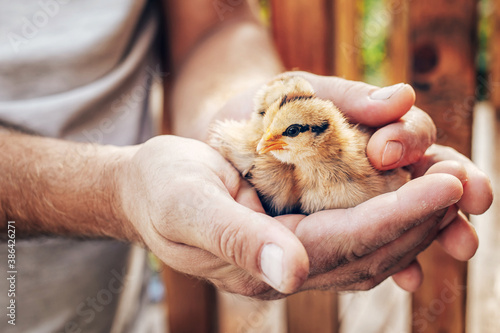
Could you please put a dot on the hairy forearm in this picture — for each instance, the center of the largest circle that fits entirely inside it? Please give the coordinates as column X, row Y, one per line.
column 237, row 56
column 56, row 187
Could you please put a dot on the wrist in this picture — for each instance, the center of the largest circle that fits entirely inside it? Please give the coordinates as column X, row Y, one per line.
column 116, row 181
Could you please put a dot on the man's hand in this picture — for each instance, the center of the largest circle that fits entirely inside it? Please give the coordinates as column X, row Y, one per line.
column 181, row 197
column 404, row 136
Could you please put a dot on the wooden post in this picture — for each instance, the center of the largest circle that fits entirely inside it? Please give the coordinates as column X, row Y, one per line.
column 443, row 49
column 313, row 311
column 443, row 44
column 347, row 40
column 191, row 303
column 302, row 31
column 398, row 42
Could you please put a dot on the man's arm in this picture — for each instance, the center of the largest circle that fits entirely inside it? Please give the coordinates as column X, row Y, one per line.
column 51, row 186
column 217, row 53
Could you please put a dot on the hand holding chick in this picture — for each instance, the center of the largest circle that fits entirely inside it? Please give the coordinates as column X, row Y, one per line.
column 300, row 152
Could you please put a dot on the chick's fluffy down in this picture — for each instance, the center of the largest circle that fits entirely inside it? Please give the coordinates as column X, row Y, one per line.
column 300, row 153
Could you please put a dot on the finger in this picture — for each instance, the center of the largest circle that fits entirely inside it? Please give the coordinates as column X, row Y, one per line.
column 394, row 145
column 403, row 142
column 247, row 196
column 399, row 211
column 243, row 237
column 206, row 265
column 368, row 271
column 260, row 245
column 361, row 102
column 459, row 239
column 449, row 217
column 336, row 237
column 252, row 241
column 291, row 221
column 449, row 167
column 478, row 191
column 410, row 278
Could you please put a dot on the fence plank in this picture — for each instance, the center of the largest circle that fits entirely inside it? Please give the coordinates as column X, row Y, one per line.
column 191, row 303
column 443, row 46
column 302, row 33
column 312, row 311
column 347, row 39
column 398, row 42
column 443, row 42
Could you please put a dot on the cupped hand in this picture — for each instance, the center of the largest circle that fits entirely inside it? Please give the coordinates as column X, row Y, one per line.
column 181, row 197
column 405, row 136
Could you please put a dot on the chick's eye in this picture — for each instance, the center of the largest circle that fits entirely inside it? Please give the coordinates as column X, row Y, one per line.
column 292, row 131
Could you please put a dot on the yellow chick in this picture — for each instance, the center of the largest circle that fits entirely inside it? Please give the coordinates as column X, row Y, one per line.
column 300, row 152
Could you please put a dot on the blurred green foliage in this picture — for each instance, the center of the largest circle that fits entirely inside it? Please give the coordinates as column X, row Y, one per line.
column 374, row 25
column 484, row 32
column 265, row 11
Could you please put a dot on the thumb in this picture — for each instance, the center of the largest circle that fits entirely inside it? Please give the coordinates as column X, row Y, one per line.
column 361, row 102
column 260, row 245
column 407, row 131
column 252, row 241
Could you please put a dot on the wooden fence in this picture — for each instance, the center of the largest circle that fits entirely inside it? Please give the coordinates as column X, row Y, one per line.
column 432, row 45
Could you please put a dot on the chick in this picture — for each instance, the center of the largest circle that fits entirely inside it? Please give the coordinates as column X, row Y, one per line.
column 300, row 152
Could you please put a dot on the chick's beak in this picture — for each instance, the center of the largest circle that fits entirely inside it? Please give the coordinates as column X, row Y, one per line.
column 269, row 143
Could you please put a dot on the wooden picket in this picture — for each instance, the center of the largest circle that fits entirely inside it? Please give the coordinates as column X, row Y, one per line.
column 443, row 45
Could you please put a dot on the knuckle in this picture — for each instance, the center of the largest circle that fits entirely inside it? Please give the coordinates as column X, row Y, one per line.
column 360, row 249
column 431, row 128
column 232, row 243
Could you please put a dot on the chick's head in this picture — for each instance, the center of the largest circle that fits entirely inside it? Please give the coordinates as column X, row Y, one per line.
column 302, row 126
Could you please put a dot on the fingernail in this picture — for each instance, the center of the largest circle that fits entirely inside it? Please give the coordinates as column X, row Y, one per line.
column 386, row 92
column 393, row 153
column 271, row 264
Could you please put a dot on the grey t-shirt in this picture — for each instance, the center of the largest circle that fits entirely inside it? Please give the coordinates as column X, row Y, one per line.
column 79, row 70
